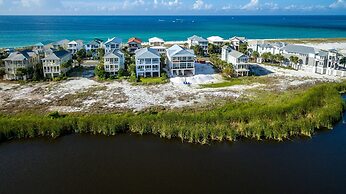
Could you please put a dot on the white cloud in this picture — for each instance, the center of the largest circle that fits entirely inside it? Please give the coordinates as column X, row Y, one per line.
column 199, row 4
column 252, row 5
column 338, row 4
column 271, row 6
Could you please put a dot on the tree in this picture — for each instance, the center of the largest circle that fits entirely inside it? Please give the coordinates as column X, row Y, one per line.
column 89, row 54
column 20, row 72
column 2, row 72
column 343, row 61
column 255, row 55
column 37, row 72
column 266, row 56
column 294, row 59
column 100, row 70
column 213, row 49
column 198, row 50
column 243, row 47
column 101, row 53
column 279, row 58
column 163, row 61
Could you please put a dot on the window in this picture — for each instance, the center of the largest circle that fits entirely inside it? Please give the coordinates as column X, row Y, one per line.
column 147, row 61
column 141, row 61
column 155, row 61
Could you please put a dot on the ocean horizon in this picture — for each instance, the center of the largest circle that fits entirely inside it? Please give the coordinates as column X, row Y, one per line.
column 16, row 31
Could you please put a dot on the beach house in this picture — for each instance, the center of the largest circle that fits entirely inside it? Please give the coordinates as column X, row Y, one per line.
column 147, row 62
column 54, row 63
column 158, row 44
column 59, row 44
column 92, row 46
column 112, row 44
column 155, row 41
column 198, row 41
column 114, row 61
column 38, row 48
column 305, row 54
column 181, row 61
column 236, row 42
column 74, row 46
column 239, row 60
column 18, row 63
column 216, row 40
column 134, row 44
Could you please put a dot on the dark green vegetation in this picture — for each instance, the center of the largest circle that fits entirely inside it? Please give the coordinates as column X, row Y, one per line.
column 269, row 116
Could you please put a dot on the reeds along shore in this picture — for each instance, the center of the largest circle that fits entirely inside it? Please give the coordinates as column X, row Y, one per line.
column 274, row 116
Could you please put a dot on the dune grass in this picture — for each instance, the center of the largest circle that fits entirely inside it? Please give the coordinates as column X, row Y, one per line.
column 239, row 81
column 272, row 116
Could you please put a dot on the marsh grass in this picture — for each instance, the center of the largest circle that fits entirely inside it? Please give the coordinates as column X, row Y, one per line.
column 272, row 116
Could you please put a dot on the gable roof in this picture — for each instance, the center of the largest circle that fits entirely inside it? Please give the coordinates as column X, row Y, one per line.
column 114, row 54
column 292, row 48
column 113, row 40
column 147, row 53
column 242, row 39
column 57, row 55
column 20, row 55
column 60, row 42
column 177, row 50
column 134, row 39
column 39, row 44
column 93, row 42
column 197, row 38
column 156, row 39
column 215, row 39
column 233, row 53
column 265, row 45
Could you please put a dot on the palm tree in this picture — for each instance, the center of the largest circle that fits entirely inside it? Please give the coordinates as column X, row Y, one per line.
column 255, row 55
column 343, row 61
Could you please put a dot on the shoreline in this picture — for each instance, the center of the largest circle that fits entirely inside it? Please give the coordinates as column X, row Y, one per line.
column 271, row 40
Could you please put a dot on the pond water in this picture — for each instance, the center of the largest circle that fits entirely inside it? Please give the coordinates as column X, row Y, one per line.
column 130, row 163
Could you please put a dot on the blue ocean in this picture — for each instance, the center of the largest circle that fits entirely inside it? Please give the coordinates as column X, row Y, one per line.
column 27, row 30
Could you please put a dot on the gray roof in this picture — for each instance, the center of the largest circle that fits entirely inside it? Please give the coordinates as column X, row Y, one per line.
column 197, row 38
column 265, row 45
column 57, row 55
column 93, row 42
column 61, row 42
column 20, row 55
column 147, row 53
column 292, row 48
column 177, row 51
column 236, row 54
column 323, row 53
column 39, row 44
column 114, row 54
column 113, row 40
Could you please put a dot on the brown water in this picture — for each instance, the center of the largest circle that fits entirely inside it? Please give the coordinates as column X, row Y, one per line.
column 147, row 164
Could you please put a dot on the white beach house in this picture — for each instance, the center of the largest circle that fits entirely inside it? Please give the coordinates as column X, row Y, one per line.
column 216, row 40
column 134, row 44
column 239, row 61
column 114, row 61
column 200, row 41
column 92, row 46
column 147, row 62
column 158, row 44
column 19, row 59
column 155, row 41
column 74, row 46
column 53, row 63
column 112, row 44
column 237, row 41
column 181, row 61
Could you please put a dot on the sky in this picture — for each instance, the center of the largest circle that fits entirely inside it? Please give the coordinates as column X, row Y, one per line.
column 172, row 7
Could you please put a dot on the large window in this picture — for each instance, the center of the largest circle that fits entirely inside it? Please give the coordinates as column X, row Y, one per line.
column 147, row 61
column 155, row 61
